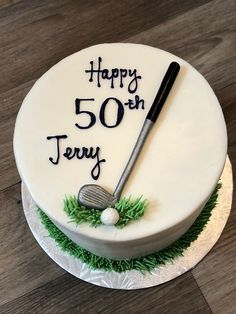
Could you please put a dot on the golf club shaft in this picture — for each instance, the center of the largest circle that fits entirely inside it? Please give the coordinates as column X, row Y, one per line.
column 147, row 126
column 151, row 118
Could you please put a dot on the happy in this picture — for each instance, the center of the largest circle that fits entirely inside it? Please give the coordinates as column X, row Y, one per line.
column 115, row 74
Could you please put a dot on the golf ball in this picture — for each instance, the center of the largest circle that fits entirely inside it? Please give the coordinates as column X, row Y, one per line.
column 110, row 216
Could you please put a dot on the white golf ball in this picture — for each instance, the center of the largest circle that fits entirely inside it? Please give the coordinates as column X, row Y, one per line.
column 110, row 216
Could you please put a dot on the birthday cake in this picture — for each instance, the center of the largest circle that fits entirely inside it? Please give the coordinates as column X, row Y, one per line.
column 77, row 128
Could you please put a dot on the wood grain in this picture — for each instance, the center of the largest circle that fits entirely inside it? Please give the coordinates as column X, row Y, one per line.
column 36, row 34
column 51, row 298
column 10, row 104
column 23, row 264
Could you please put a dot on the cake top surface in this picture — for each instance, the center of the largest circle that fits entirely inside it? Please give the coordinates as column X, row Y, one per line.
column 80, row 121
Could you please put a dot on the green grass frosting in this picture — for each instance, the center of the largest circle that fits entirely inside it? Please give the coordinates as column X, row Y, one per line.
column 142, row 264
column 127, row 208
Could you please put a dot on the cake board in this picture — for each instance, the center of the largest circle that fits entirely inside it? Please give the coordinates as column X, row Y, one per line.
column 131, row 280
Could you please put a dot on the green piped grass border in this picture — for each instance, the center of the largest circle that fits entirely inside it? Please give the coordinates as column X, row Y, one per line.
column 127, row 208
column 142, row 264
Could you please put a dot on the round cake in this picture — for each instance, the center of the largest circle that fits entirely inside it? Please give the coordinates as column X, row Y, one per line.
column 78, row 126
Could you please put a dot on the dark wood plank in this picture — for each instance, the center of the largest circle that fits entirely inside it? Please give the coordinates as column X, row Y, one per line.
column 205, row 37
column 23, row 264
column 35, row 35
column 10, row 103
column 48, row 33
column 80, row 297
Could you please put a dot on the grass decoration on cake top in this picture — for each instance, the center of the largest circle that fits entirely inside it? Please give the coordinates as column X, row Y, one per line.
column 142, row 264
column 127, row 208
column 79, row 213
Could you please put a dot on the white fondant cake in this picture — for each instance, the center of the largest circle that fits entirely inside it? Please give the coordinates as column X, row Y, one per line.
column 96, row 100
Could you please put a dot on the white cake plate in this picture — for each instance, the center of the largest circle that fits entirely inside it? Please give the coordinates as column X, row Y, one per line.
column 133, row 279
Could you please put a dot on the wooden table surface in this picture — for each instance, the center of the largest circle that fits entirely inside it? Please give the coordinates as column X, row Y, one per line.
column 34, row 35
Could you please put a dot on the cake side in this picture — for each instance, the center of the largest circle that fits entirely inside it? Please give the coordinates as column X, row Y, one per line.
column 129, row 249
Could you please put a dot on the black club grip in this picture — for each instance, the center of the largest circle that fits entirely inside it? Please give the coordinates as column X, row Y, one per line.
column 163, row 91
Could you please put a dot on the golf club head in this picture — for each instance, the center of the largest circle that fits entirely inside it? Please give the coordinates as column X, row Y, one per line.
column 94, row 196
